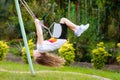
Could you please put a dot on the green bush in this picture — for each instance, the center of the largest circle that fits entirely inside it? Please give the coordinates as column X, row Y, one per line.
column 14, row 51
column 118, row 57
column 3, row 50
column 78, row 56
column 99, row 56
column 111, row 48
column 31, row 48
column 16, row 47
column 118, row 45
column 67, row 52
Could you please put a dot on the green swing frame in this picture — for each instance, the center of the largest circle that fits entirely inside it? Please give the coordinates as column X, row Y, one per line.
column 24, row 36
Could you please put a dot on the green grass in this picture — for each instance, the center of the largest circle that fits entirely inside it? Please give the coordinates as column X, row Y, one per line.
column 44, row 76
column 62, row 74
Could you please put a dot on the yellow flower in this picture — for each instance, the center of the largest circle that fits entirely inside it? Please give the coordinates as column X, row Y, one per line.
column 4, row 47
column 101, row 49
column 23, row 50
column 118, row 59
column 118, row 44
column 100, row 44
column 94, row 51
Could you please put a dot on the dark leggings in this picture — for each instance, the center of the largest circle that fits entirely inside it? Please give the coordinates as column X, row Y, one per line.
column 64, row 31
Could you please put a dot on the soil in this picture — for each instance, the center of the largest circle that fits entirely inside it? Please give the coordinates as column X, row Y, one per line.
column 112, row 67
column 11, row 57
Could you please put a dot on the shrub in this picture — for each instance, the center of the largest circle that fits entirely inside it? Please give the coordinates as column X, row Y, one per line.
column 111, row 48
column 78, row 56
column 16, row 46
column 118, row 45
column 31, row 48
column 118, row 57
column 3, row 50
column 67, row 52
column 99, row 56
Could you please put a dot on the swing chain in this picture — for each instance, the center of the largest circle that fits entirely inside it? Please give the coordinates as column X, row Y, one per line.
column 24, row 3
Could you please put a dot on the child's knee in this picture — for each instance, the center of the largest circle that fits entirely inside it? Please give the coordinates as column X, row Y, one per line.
column 62, row 20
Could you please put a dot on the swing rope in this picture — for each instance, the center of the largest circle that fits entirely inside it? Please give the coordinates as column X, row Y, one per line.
column 33, row 15
column 28, row 8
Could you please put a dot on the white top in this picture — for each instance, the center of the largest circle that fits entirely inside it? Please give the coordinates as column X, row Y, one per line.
column 48, row 46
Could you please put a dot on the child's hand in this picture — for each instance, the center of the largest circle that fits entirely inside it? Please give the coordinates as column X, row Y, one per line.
column 36, row 20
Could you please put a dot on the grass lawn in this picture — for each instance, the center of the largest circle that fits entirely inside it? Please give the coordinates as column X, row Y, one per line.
column 51, row 73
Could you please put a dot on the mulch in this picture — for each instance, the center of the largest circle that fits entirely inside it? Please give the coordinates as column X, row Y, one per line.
column 11, row 57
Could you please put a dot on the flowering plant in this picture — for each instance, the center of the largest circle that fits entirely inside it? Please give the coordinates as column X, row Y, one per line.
column 118, row 57
column 99, row 56
column 3, row 50
column 67, row 52
column 31, row 48
column 118, row 44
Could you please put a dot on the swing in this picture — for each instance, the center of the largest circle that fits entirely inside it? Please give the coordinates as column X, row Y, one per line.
column 46, row 58
column 57, row 31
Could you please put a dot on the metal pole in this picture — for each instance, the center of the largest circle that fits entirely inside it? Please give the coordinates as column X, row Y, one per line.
column 24, row 36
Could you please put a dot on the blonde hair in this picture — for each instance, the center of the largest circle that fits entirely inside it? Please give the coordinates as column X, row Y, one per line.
column 49, row 59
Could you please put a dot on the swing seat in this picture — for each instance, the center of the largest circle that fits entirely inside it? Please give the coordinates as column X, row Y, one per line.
column 59, row 31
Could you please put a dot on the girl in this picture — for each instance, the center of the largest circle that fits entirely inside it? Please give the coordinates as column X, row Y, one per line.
column 41, row 55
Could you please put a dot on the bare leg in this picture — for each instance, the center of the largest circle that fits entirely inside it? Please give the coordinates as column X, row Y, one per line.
column 39, row 32
column 78, row 30
column 71, row 25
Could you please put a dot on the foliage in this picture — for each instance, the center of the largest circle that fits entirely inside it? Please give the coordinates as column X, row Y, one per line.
column 109, row 19
column 100, row 56
column 67, row 52
column 5, row 12
column 78, row 56
column 118, row 45
column 111, row 48
column 114, row 50
column 100, row 3
column 14, row 51
column 118, row 57
column 16, row 47
column 31, row 48
column 3, row 50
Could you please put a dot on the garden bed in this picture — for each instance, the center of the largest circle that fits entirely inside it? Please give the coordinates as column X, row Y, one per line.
column 113, row 67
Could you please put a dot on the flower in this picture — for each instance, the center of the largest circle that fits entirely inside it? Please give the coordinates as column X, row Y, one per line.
column 94, row 51
column 100, row 44
column 118, row 44
column 4, row 48
column 101, row 49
